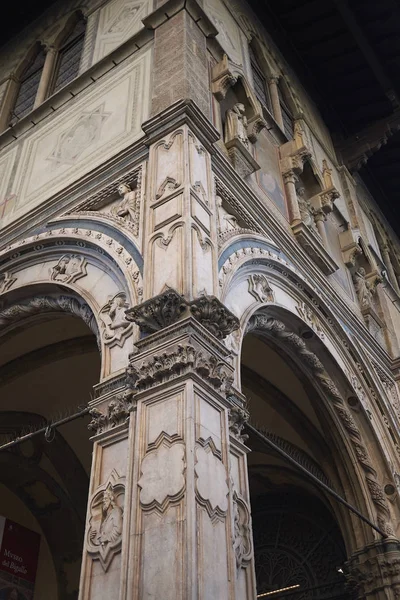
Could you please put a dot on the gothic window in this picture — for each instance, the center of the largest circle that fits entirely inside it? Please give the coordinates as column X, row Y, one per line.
column 287, row 118
column 28, row 86
column 260, row 81
column 69, row 56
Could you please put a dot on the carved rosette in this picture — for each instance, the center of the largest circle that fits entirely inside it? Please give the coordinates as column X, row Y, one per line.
column 104, row 534
column 117, row 412
column 158, row 312
column 214, row 316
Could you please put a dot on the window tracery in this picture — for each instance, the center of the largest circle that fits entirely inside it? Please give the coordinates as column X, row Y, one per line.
column 69, row 56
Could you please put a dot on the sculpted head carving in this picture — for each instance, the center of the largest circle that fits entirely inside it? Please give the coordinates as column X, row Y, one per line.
column 123, row 189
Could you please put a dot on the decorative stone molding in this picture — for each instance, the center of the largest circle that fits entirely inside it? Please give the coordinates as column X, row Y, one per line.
column 262, row 322
column 375, row 569
column 158, row 312
column 211, row 483
column 214, row 316
column 168, row 185
column 260, row 288
column 222, row 192
column 314, row 248
column 115, row 327
column 162, row 480
column 6, row 281
column 309, row 316
column 237, row 419
column 242, row 536
column 69, row 269
column 184, row 359
column 117, row 413
column 104, row 536
column 42, row 304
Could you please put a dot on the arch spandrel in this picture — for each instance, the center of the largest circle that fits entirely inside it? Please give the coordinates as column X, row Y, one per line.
column 91, row 266
column 283, row 295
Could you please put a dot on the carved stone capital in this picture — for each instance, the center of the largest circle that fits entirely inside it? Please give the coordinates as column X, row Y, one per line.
column 116, row 413
column 158, row 312
column 214, row 316
column 185, row 348
column 238, row 417
column 375, row 568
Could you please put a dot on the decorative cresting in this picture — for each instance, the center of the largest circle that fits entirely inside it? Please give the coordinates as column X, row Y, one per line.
column 104, row 536
column 169, row 306
column 375, row 570
column 158, row 312
column 279, row 330
column 117, row 413
column 42, row 304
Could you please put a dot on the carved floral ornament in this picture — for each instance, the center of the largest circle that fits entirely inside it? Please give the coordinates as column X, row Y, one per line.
column 6, row 281
column 183, row 359
column 169, row 306
column 278, row 330
column 104, row 535
column 117, row 413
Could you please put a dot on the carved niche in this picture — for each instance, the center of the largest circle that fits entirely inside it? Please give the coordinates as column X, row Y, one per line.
column 69, row 269
column 115, row 326
column 260, row 288
column 104, row 536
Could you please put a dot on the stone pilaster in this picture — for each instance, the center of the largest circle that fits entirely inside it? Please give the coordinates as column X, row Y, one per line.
column 374, row 572
column 181, row 251
column 188, row 519
column 106, row 533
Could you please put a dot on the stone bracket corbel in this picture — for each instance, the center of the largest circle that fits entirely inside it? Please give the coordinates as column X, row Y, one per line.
column 350, row 247
column 222, row 78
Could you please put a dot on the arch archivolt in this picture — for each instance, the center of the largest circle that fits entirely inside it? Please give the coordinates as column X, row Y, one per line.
column 271, row 297
column 86, row 272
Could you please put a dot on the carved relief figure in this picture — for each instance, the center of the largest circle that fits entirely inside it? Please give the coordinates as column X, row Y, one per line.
column 260, row 288
column 104, row 536
column 126, row 209
column 236, row 124
column 226, row 221
column 69, row 268
column 363, row 288
column 114, row 323
column 305, row 208
column 110, row 529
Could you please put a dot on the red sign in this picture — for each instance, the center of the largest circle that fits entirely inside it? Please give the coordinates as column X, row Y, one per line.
column 19, row 554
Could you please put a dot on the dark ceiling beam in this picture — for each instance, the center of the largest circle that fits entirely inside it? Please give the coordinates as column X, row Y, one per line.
column 367, row 50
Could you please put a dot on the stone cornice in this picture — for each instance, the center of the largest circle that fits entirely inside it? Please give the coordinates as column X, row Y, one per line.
column 181, row 113
column 172, row 7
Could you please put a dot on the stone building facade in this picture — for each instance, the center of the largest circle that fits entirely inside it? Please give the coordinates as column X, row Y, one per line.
column 184, row 252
